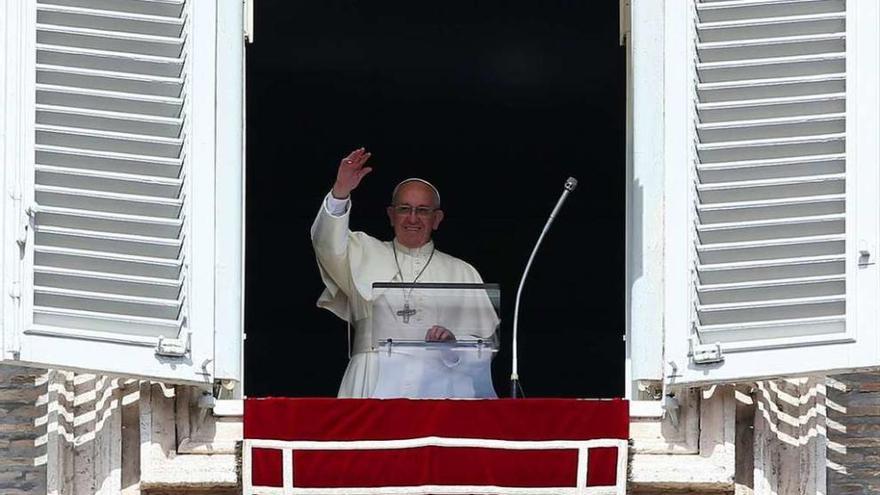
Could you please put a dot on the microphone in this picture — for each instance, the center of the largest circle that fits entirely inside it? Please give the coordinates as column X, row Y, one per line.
column 570, row 184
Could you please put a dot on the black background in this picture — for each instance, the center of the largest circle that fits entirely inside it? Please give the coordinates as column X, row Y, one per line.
column 496, row 102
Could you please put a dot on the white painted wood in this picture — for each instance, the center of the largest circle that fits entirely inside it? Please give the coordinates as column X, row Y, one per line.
column 583, row 459
column 18, row 41
column 8, row 23
column 645, row 205
column 229, row 265
column 785, row 188
column 433, row 441
column 287, row 471
column 677, row 114
column 249, row 19
column 201, row 291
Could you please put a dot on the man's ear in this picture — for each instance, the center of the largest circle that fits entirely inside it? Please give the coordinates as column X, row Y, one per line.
column 438, row 217
column 390, row 211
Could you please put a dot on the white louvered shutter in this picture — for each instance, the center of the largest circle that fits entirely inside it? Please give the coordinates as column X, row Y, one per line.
column 782, row 172
column 117, row 271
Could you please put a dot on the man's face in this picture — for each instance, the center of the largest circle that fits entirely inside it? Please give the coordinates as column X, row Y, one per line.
column 414, row 214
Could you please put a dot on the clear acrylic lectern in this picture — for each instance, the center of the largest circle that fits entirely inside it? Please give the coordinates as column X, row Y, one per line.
column 435, row 340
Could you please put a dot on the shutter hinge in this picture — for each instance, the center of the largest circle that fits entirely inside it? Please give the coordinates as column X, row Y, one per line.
column 21, row 234
column 30, row 214
column 174, row 347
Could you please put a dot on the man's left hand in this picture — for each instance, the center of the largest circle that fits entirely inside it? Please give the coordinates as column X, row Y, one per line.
column 439, row 334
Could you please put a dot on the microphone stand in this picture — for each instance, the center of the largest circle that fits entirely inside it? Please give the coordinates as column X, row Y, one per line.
column 570, row 184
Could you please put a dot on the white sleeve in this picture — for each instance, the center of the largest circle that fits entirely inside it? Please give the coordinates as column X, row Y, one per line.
column 336, row 207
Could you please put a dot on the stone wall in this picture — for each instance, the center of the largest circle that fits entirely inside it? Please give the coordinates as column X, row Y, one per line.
column 22, row 436
column 853, row 406
column 80, row 434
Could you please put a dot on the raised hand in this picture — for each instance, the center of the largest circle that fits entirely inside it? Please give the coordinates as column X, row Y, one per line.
column 351, row 171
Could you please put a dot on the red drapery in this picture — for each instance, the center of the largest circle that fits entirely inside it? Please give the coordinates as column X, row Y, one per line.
column 368, row 419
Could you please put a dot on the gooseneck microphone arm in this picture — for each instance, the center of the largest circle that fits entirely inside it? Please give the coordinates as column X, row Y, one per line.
column 570, row 184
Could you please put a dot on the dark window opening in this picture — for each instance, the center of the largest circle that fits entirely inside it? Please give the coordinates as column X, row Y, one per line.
column 496, row 103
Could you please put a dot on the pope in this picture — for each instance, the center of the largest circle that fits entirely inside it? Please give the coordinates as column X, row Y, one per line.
column 350, row 262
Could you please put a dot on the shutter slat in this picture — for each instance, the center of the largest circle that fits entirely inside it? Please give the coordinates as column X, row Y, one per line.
column 166, row 8
column 114, row 82
column 772, row 208
column 100, row 302
column 108, row 161
column 772, row 48
column 106, row 262
column 100, row 120
column 731, row 10
column 109, row 222
column 772, row 289
column 87, row 58
column 96, row 39
column 106, row 282
column 769, row 27
column 770, row 169
column 746, row 130
column 90, row 240
column 138, row 184
column 765, row 189
column 113, row 101
column 794, row 66
column 768, row 310
column 73, row 137
column 771, row 249
column 704, row 26
column 110, row 20
column 768, row 249
column 772, row 107
column 775, row 269
column 777, row 228
column 762, row 89
column 90, row 200
column 774, row 329
column 103, row 325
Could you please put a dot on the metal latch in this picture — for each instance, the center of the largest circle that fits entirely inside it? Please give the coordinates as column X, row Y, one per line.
column 174, row 347
column 866, row 257
column 706, row 353
column 15, row 290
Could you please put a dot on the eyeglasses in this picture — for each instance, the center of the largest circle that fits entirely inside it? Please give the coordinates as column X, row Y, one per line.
column 421, row 211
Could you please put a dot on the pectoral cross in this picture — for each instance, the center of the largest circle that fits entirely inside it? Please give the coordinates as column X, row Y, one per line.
column 406, row 312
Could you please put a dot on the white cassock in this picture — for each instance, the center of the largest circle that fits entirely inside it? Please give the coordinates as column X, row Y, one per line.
column 350, row 262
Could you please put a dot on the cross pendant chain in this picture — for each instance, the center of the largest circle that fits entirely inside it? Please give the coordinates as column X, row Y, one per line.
column 406, row 312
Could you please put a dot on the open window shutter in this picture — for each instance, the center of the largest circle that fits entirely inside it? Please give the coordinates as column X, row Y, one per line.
column 779, row 231
column 117, row 271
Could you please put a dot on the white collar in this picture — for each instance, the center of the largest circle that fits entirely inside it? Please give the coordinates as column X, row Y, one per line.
column 422, row 251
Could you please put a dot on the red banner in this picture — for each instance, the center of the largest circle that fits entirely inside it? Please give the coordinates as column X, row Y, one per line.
column 508, row 463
